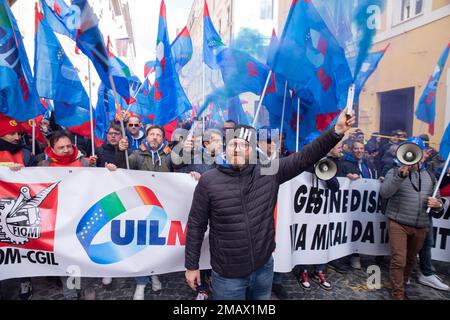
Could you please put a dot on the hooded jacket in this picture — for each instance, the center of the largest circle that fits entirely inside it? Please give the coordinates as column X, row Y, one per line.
column 406, row 205
column 147, row 160
column 135, row 143
column 351, row 165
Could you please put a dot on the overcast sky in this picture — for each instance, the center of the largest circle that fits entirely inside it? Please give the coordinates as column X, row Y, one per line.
column 144, row 15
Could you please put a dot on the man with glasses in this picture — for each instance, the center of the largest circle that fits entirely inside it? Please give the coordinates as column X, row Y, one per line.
column 135, row 133
column 107, row 152
column 238, row 201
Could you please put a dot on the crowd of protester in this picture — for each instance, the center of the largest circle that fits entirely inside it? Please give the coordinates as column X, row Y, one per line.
column 149, row 149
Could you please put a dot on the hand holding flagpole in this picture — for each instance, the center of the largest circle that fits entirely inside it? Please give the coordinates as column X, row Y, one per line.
column 119, row 109
column 350, row 100
column 444, row 171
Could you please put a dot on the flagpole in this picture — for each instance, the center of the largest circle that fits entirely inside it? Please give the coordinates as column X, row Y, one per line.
column 298, row 126
column 282, row 113
column 444, row 170
column 119, row 108
column 33, row 137
column 203, row 92
column 91, row 112
column 262, row 98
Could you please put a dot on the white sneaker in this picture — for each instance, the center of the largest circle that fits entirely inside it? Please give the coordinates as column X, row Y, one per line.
column 355, row 262
column 433, row 281
column 202, row 295
column 139, row 293
column 156, row 284
column 408, row 282
column 107, row 281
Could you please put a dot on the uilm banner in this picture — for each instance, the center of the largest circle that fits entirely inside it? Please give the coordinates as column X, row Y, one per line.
column 130, row 223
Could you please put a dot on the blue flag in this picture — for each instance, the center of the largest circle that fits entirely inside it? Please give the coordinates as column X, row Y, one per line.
column 80, row 24
column 241, row 73
column 59, row 15
column 274, row 98
column 426, row 110
column 444, row 149
column 56, row 77
column 170, row 99
column 182, row 49
column 366, row 70
column 236, row 112
column 212, row 42
column 144, row 106
column 366, row 30
column 18, row 95
column 104, row 113
column 311, row 59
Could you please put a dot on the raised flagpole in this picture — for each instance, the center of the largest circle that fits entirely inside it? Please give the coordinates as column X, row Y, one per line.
column 33, row 137
column 203, row 92
column 255, row 121
column 297, row 145
column 119, row 109
column 91, row 111
column 444, row 172
column 282, row 113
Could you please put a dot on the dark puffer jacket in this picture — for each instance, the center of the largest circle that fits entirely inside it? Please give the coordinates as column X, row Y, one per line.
column 350, row 165
column 239, row 205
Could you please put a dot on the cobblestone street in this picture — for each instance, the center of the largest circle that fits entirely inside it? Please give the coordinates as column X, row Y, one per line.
column 351, row 286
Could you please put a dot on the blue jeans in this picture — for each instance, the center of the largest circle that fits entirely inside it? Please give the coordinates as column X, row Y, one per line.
column 277, row 278
column 256, row 286
column 142, row 280
column 425, row 253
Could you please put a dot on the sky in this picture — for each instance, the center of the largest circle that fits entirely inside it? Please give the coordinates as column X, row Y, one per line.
column 144, row 14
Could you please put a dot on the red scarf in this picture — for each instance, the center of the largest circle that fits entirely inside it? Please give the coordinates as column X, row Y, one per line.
column 64, row 160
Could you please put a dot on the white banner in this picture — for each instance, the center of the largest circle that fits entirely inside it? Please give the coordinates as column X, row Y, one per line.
column 321, row 225
column 441, row 234
column 95, row 223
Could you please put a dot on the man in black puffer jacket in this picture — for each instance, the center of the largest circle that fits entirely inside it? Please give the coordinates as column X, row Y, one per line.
column 238, row 201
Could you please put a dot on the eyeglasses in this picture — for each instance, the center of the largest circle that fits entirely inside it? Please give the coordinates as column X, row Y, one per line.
column 136, row 125
column 114, row 134
column 239, row 146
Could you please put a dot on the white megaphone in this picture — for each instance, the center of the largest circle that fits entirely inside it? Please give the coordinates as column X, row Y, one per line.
column 325, row 169
column 409, row 153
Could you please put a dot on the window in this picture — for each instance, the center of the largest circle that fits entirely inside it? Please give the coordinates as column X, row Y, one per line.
column 419, row 6
column 406, row 9
column 266, row 10
column 116, row 8
column 410, row 9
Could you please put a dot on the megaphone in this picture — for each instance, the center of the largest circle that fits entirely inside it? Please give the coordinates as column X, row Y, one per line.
column 409, row 153
column 325, row 169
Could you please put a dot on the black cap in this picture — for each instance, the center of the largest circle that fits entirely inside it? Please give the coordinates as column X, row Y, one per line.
column 246, row 133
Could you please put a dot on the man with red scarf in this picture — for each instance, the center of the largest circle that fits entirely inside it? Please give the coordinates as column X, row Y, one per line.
column 62, row 153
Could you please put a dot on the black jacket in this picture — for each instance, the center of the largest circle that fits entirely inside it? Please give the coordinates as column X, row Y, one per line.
column 106, row 154
column 239, row 206
column 350, row 165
